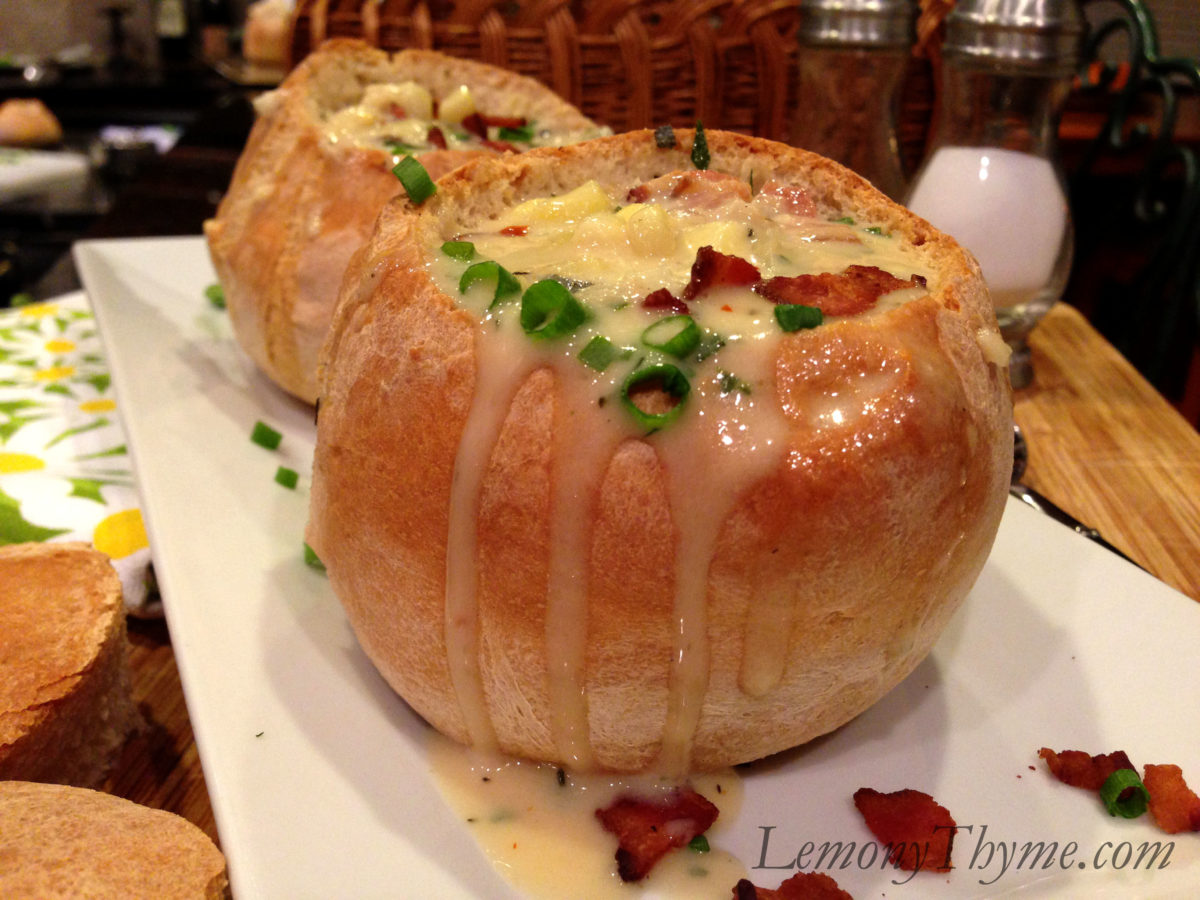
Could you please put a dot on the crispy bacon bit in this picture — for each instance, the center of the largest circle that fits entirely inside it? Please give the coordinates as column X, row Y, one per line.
column 436, row 137
column 778, row 197
column 698, row 189
column 715, row 269
column 1173, row 804
column 1081, row 770
column 664, row 299
column 845, row 294
column 397, row 111
column 503, row 121
column 920, row 831
column 474, row 123
column 647, row 829
column 801, row 886
column 515, row 230
column 500, row 146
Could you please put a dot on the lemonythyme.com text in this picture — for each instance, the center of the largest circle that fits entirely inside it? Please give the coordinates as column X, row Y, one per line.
column 988, row 860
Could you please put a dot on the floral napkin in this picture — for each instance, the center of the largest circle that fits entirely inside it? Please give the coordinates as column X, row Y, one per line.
column 65, row 472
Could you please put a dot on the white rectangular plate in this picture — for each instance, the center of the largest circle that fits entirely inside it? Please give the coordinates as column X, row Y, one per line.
column 319, row 780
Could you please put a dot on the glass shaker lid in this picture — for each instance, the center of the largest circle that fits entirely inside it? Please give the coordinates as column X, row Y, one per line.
column 860, row 23
column 1041, row 34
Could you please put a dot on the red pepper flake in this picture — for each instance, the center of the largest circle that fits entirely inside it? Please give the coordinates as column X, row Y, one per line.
column 1173, row 804
column 726, row 307
column 846, row 293
column 435, row 137
column 515, row 230
column 647, row 829
column 920, row 831
column 1082, row 770
column 664, row 299
column 715, row 269
column 801, row 886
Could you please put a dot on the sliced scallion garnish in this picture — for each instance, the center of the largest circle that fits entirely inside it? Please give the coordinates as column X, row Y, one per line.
column 265, row 436
column 215, row 295
column 699, row 844
column 416, row 181
column 599, row 353
column 520, row 133
column 490, row 270
column 664, row 378
column 549, row 310
column 710, row 343
column 311, row 558
column 463, row 251
column 676, row 335
column 796, row 316
column 700, row 155
column 1124, row 782
column 289, row 478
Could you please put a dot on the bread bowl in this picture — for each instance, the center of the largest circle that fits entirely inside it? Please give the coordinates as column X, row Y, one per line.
column 66, row 706
column 70, row 842
column 542, row 561
column 317, row 168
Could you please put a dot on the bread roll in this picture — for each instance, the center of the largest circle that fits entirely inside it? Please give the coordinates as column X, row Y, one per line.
column 68, row 842
column 65, row 702
column 541, row 561
column 317, row 169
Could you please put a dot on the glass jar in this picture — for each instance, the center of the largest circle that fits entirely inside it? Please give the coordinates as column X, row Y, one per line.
column 992, row 177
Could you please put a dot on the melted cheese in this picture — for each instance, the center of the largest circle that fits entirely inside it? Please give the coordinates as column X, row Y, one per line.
column 729, row 436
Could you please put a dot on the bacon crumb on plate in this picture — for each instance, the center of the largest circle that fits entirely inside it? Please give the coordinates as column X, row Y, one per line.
column 664, row 299
column 845, row 293
column 647, row 828
column 920, row 831
column 1173, row 804
column 801, row 886
column 1082, row 770
column 713, row 268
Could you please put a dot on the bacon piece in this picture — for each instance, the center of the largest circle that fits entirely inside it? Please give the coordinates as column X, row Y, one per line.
column 648, row 828
column 715, row 269
column 698, row 189
column 475, row 125
column 1173, row 804
column 777, row 197
column 435, row 137
column 664, row 299
column 500, row 146
column 503, row 121
column 843, row 294
column 801, row 886
column 397, row 111
column 515, row 230
column 1081, row 770
column 920, row 831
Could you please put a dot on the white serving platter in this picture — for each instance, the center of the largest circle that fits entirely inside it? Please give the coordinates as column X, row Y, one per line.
column 319, row 775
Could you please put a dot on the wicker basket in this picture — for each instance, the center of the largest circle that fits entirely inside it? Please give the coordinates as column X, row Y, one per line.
column 625, row 63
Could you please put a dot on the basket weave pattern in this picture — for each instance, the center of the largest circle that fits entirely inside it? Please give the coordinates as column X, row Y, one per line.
column 624, row 63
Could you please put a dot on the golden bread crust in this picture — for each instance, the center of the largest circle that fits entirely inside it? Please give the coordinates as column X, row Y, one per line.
column 848, row 558
column 297, row 206
column 66, row 706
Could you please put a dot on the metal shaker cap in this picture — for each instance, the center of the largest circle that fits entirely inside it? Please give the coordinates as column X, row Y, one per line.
column 1041, row 35
column 857, row 23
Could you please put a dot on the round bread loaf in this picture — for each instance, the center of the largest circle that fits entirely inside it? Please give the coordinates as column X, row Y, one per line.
column 545, row 559
column 69, row 842
column 317, row 168
column 65, row 701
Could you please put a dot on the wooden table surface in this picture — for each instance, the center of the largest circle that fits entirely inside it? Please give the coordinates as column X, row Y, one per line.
column 1102, row 444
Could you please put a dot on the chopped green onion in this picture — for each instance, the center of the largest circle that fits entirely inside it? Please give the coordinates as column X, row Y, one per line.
column 463, row 251
column 668, row 379
column 874, row 229
column 417, row 183
column 730, row 383
column 489, row 270
column 700, row 155
column 677, row 335
column 265, row 436
column 289, row 478
column 311, row 558
column 710, row 343
column 522, row 133
column 599, row 353
column 845, row 220
column 664, row 137
column 215, row 295
column 699, row 844
column 795, row 316
column 396, row 148
column 549, row 310
column 1136, row 797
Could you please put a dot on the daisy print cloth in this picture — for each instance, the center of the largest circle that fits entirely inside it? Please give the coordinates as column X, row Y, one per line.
column 65, row 472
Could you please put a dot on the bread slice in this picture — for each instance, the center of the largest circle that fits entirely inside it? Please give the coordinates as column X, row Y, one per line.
column 58, row 841
column 65, row 702
column 300, row 203
column 538, row 570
